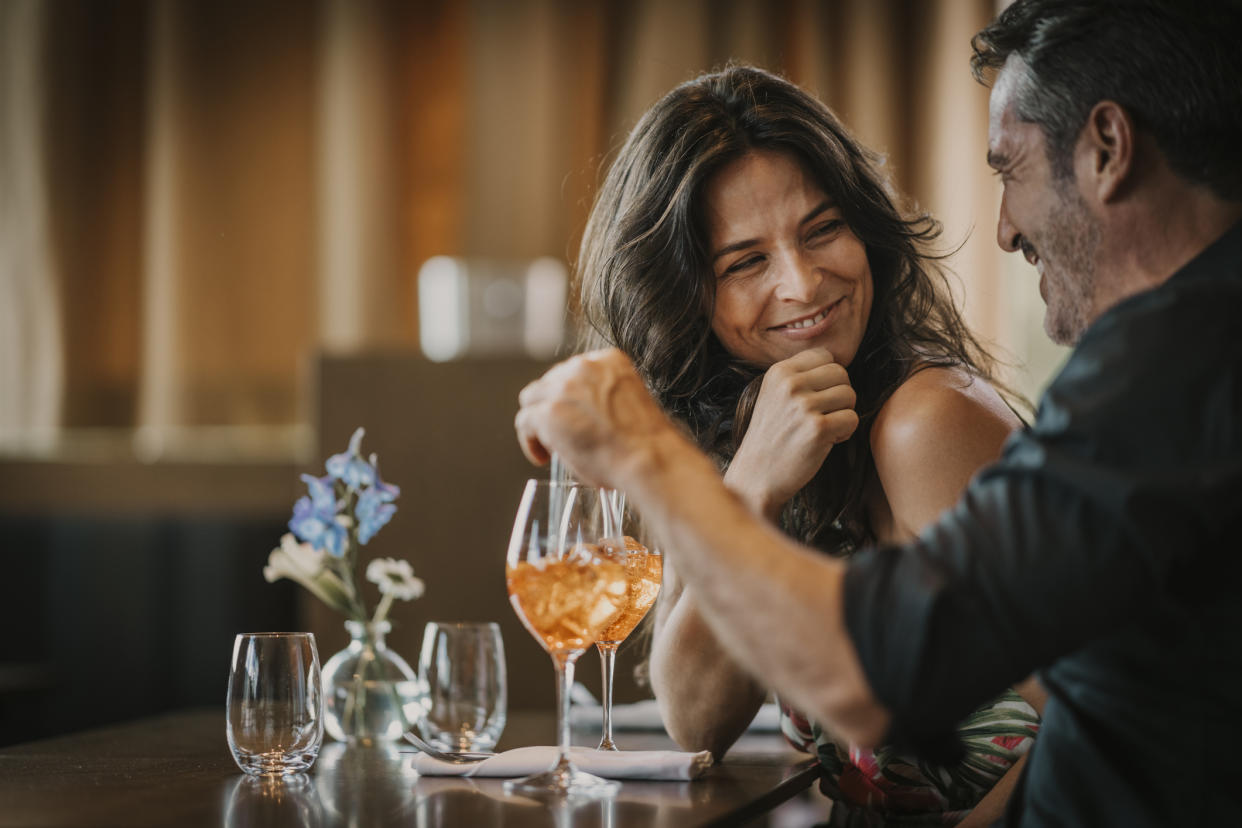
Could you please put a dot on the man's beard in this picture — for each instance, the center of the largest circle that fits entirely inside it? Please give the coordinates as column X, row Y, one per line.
column 1067, row 249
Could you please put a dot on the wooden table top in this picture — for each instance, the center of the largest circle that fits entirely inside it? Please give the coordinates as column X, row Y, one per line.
column 177, row 770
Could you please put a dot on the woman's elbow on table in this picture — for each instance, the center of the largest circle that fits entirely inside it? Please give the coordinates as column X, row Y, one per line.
column 713, row 736
column 709, row 714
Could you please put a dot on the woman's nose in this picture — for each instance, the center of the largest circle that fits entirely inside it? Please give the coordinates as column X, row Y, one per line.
column 797, row 280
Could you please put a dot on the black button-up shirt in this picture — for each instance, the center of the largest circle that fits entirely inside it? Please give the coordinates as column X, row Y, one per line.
column 1104, row 548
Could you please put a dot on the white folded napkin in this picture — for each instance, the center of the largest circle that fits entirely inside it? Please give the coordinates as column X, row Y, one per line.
column 645, row 715
column 622, row 764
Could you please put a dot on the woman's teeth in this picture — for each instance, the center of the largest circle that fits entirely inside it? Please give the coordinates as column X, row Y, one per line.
column 806, row 323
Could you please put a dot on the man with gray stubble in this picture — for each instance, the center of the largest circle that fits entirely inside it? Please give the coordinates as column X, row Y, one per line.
column 1101, row 549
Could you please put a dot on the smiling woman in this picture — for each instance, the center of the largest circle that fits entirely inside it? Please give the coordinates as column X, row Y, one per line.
column 748, row 255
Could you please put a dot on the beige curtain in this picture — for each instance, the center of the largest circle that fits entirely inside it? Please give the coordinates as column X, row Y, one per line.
column 31, row 358
column 197, row 196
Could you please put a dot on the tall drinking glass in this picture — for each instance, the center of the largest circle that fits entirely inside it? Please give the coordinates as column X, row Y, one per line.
column 463, row 666
column 566, row 590
column 644, row 570
column 275, row 703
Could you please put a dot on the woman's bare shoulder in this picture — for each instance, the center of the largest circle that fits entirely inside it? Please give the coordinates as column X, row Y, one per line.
column 944, row 396
column 932, row 435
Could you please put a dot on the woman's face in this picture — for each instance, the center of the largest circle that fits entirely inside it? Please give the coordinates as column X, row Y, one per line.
column 790, row 275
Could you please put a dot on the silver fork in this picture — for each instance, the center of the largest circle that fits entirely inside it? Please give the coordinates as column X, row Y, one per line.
column 465, row 757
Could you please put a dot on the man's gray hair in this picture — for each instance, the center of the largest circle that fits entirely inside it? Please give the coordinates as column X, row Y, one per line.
column 1174, row 65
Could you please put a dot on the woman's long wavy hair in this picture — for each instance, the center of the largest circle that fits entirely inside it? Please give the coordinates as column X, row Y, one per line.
column 646, row 283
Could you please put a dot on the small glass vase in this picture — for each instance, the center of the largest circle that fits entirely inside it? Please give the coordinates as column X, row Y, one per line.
column 371, row 695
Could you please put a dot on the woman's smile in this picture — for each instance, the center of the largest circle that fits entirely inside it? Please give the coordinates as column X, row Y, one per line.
column 808, row 327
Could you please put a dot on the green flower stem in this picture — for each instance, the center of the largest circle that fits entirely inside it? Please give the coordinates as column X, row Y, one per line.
column 355, row 704
column 391, row 686
column 381, row 611
column 337, row 600
column 381, row 614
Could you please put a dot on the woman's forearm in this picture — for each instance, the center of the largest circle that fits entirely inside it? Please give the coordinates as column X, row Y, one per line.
column 706, row 700
column 992, row 806
column 760, row 594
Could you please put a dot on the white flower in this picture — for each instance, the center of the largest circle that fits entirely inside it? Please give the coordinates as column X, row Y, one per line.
column 395, row 578
column 304, row 564
column 293, row 560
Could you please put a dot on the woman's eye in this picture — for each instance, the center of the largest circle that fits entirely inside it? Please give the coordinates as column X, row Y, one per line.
column 743, row 264
column 827, row 228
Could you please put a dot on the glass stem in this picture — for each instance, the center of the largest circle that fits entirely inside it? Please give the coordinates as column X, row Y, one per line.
column 564, row 681
column 607, row 658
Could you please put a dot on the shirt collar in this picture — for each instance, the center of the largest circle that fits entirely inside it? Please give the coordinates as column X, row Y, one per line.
column 1221, row 257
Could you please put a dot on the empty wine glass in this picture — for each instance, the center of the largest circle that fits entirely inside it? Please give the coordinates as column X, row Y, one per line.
column 463, row 667
column 275, row 703
column 565, row 589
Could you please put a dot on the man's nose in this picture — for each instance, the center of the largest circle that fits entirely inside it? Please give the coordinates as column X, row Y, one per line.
column 1007, row 236
column 797, row 278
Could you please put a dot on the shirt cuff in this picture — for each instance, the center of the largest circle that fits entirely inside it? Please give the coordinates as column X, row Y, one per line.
column 891, row 597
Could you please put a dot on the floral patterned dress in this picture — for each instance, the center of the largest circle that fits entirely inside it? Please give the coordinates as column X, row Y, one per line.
column 890, row 788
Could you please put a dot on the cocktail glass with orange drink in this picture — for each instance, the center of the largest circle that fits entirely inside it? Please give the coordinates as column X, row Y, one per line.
column 644, row 569
column 567, row 589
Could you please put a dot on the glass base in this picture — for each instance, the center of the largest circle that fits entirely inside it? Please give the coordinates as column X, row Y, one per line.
column 469, row 741
column 607, row 744
column 275, row 763
column 562, row 780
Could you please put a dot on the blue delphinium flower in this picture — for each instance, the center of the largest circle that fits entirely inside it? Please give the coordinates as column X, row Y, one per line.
column 374, row 508
column 322, row 493
column 350, row 467
column 338, row 514
column 388, row 491
column 372, row 512
column 314, row 517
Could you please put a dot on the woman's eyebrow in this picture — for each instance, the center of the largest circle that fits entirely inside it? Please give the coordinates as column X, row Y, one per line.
column 826, row 204
column 737, row 245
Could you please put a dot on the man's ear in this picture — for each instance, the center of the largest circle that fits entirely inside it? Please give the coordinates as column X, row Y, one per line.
column 1105, row 151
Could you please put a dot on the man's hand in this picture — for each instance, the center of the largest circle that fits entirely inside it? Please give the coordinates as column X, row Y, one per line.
column 805, row 407
column 594, row 411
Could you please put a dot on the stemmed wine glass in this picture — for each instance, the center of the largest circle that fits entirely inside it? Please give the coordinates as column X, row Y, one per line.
column 566, row 589
column 644, row 569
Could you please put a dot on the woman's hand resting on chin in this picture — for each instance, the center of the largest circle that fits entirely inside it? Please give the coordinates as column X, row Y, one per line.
column 805, row 407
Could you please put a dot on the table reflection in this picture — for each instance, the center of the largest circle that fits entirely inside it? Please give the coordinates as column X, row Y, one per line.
column 365, row 785
column 358, row 786
column 458, row 801
column 177, row 770
column 273, row 802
